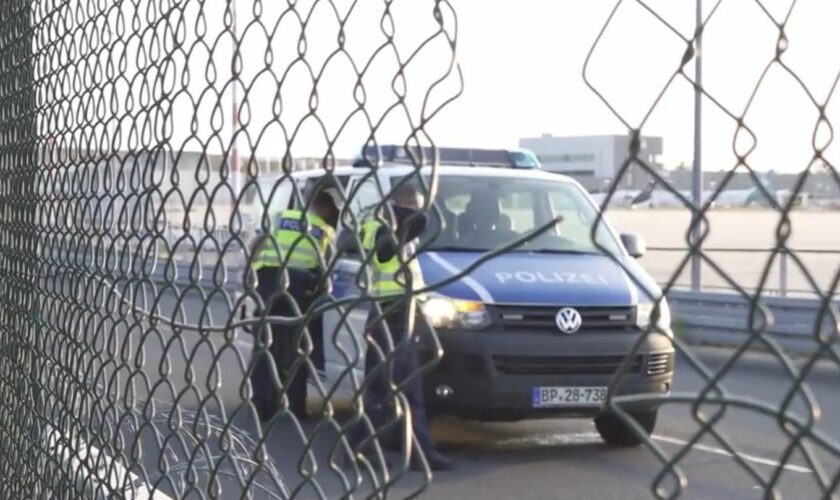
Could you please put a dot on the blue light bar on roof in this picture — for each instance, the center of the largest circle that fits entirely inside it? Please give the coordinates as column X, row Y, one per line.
column 448, row 156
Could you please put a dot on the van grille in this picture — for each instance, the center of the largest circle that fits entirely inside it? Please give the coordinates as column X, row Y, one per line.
column 564, row 365
column 543, row 318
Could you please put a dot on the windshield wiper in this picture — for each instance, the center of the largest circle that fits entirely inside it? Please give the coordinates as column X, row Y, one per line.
column 557, row 251
column 455, row 248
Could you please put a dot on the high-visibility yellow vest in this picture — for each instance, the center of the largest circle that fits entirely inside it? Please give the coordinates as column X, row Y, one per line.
column 386, row 279
column 298, row 249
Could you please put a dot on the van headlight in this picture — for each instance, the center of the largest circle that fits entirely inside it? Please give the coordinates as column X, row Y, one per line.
column 447, row 313
column 648, row 313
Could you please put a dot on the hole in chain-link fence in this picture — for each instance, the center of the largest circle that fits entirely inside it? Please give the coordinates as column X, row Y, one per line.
column 799, row 334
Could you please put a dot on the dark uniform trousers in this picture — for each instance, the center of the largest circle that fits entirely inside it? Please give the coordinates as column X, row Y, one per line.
column 380, row 404
column 287, row 341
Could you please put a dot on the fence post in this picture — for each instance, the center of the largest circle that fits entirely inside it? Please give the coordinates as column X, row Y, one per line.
column 697, row 168
column 783, row 273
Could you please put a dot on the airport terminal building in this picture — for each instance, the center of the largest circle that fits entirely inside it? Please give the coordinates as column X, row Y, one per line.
column 595, row 160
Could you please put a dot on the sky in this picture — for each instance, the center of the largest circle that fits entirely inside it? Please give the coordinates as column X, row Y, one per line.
column 542, row 46
column 522, row 63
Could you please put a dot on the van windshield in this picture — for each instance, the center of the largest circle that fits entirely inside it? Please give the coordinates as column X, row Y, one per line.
column 484, row 213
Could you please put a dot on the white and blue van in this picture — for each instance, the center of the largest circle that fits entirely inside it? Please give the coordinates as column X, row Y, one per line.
column 541, row 330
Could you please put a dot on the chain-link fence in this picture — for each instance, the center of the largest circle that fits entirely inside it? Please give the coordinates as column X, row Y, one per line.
column 710, row 405
column 146, row 145
column 151, row 152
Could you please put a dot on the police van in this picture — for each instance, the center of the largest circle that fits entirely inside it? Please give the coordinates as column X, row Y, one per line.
column 540, row 330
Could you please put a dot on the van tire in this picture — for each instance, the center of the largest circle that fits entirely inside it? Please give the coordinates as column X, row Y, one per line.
column 615, row 432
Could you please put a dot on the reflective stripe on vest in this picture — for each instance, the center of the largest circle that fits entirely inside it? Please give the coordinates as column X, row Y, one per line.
column 288, row 243
column 389, row 277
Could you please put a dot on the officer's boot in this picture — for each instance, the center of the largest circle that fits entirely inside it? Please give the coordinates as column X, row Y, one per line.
column 437, row 461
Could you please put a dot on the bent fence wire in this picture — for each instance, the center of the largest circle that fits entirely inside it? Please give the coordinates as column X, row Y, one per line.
column 710, row 405
column 143, row 145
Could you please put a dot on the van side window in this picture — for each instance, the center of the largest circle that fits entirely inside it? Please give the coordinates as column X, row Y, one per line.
column 311, row 182
column 365, row 198
column 273, row 197
column 282, row 197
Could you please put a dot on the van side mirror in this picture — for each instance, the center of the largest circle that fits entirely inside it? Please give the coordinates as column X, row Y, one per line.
column 634, row 244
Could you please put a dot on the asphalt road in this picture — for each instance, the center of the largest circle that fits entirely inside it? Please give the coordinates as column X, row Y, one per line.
column 203, row 371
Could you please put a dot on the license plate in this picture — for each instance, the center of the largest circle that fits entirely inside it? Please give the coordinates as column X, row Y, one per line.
column 542, row 397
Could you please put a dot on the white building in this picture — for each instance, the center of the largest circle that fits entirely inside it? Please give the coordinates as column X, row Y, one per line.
column 595, row 160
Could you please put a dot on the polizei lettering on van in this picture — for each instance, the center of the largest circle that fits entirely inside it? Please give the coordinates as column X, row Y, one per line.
column 551, row 277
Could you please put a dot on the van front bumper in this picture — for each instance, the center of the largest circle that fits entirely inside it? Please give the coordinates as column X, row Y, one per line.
column 491, row 375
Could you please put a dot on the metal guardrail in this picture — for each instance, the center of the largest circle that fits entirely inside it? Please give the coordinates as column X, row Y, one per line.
column 700, row 317
column 800, row 324
column 234, row 271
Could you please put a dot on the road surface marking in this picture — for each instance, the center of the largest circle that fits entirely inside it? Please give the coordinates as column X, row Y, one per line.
column 593, row 437
column 744, row 456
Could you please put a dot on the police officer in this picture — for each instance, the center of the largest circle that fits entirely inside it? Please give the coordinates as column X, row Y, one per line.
column 395, row 268
column 303, row 243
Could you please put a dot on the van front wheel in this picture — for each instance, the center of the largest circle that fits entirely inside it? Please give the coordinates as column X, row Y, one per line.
column 615, row 432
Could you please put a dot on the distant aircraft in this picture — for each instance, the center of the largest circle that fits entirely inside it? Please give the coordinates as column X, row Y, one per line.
column 645, row 194
column 663, row 198
column 728, row 198
column 752, row 196
column 625, row 198
column 651, row 197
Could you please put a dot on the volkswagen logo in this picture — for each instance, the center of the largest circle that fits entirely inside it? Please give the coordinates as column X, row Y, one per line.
column 568, row 320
